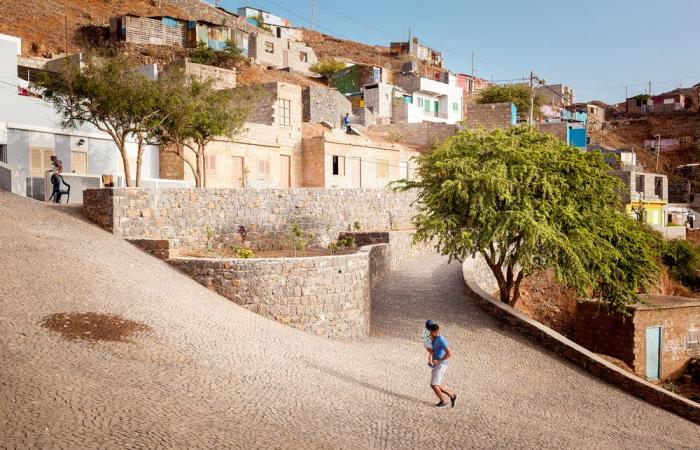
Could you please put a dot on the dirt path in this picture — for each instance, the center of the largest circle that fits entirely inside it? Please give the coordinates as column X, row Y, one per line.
column 210, row 374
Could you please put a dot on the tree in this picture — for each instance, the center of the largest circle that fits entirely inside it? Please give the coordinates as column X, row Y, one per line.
column 194, row 114
column 518, row 94
column 525, row 202
column 227, row 58
column 327, row 67
column 108, row 94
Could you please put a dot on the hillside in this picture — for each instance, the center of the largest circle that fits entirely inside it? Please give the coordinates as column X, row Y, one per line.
column 631, row 133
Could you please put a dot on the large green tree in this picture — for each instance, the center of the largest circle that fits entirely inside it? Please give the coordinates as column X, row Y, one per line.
column 525, row 202
column 518, row 94
column 107, row 93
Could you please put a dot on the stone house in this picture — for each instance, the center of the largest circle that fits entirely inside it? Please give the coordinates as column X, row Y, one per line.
column 334, row 159
column 221, row 78
column 655, row 340
column 266, row 154
column 281, row 53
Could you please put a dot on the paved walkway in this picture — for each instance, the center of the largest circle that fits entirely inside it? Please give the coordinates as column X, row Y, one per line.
column 213, row 375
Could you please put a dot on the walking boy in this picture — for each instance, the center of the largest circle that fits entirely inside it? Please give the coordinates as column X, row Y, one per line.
column 440, row 356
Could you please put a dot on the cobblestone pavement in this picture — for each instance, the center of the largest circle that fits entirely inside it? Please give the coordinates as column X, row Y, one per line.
column 213, row 375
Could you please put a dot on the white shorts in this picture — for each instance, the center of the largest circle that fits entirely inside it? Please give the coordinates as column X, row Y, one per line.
column 437, row 374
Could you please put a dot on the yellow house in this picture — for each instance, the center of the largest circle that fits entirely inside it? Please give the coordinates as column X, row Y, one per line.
column 646, row 193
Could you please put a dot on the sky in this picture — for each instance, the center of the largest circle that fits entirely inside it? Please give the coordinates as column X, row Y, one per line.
column 597, row 47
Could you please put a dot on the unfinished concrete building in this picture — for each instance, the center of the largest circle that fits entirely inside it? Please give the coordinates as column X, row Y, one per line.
column 414, row 50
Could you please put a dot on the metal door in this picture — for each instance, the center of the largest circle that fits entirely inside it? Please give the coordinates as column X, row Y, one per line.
column 237, row 175
column 356, row 172
column 285, row 171
column 653, row 353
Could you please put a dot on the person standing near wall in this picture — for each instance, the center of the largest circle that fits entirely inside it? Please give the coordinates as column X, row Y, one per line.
column 56, row 171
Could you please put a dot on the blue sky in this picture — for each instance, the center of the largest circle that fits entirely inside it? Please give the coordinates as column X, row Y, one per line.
column 595, row 46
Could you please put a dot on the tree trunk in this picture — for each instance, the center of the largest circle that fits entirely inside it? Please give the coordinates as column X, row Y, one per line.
column 199, row 182
column 125, row 161
column 139, row 160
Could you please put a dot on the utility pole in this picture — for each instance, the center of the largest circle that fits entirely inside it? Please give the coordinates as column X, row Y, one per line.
column 472, row 64
column 532, row 96
column 65, row 14
column 650, row 88
column 658, row 150
column 313, row 13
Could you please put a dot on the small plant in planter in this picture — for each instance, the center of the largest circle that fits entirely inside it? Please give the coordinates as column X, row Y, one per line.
column 342, row 244
column 210, row 240
column 243, row 253
column 356, row 226
column 300, row 239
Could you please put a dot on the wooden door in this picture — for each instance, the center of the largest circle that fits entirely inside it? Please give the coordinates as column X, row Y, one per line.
column 356, row 172
column 285, row 171
column 238, row 176
column 78, row 163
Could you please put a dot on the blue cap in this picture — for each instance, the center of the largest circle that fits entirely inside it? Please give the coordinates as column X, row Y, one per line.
column 429, row 323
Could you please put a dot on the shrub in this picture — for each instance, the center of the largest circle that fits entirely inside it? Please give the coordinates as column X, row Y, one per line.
column 243, row 253
column 327, row 66
column 683, row 261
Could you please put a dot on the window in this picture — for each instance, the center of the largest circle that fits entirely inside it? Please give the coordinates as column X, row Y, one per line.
column 693, row 336
column 426, row 105
column 78, row 162
column 659, row 186
column 339, row 165
column 403, row 170
column 382, row 168
column 420, row 102
column 211, row 165
column 303, row 57
column 639, row 183
column 269, row 47
column 40, row 161
column 285, row 112
column 3, row 153
column 263, row 170
column 455, row 107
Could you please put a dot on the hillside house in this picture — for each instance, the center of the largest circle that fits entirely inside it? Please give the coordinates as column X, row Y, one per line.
column 352, row 80
column 572, row 133
column 556, row 95
column 280, row 53
column 415, row 50
column 221, row 78
column 427, row 100
column 657, row 104
column 321, row 104
column 594, row 114
column 491, row 116
column 655, row 340
column 266, row 154
column 157, row 30
column 29, row 136
column 334, row 159
column 279, row 27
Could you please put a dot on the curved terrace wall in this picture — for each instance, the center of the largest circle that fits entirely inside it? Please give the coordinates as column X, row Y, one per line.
column 183, row 216
column 325, row 295
column 478, row 277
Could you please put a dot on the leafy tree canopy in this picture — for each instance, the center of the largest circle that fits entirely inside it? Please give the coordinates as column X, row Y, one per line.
column 525, row 202
column 327, row 66
column 518, row 94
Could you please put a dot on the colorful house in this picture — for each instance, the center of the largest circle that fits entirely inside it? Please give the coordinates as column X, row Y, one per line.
column 645, row 194
column 351, row 80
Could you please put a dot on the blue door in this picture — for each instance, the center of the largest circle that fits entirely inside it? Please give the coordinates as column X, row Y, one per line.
column 653, row 353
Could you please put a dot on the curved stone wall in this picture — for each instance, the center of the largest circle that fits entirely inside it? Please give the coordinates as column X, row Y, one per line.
column 325, row 295
column 476, row 275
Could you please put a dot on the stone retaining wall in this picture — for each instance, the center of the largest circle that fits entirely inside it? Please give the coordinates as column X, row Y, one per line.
column 327, row 295
column 401, row 247
column 184, row 216
column 572, row 351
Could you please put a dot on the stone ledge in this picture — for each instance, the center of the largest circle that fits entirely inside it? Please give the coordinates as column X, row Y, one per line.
column 580, row 356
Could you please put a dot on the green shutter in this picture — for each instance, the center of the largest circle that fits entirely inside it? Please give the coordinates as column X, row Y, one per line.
column 426, row 105
column 437, row 107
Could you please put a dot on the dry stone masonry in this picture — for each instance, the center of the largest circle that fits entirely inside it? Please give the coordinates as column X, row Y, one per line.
column 260, row 218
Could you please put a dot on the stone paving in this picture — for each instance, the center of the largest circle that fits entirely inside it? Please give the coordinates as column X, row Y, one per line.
column 211, row 374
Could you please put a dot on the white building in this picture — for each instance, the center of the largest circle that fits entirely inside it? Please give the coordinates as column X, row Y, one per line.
column 30, row 133
column 428, row 101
